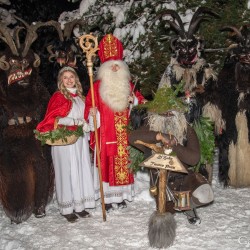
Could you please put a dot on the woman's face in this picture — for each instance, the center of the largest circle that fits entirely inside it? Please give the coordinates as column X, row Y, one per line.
column 68, row 79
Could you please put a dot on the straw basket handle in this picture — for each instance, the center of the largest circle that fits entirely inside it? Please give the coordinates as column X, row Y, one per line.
column 56, row 122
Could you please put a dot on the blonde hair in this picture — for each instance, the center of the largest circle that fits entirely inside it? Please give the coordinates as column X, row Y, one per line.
column 63, row 89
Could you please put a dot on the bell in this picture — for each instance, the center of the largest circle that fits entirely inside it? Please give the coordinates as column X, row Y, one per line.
column 183, row 200
column 153, row 190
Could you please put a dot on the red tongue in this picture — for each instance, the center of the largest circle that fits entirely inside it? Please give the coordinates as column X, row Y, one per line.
column 189, row 62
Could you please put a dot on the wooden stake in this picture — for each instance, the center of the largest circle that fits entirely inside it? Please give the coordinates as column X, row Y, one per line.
column 162, row 191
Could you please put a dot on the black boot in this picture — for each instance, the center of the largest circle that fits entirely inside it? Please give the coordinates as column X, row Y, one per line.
column 192, row 216
column 83, row 214
column 122, row 204
column 70, row 217
column 108, row 207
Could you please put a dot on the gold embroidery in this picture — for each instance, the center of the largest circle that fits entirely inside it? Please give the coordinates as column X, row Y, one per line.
column 110, row 46
column 121, row 159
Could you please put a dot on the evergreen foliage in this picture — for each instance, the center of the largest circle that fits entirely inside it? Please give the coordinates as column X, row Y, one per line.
column 145, row 36
column 204, row 129
column 135, row 158
column 61, row 133
column 165, row 100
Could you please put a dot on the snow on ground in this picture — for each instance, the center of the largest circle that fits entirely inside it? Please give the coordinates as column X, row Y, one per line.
column 225, row 225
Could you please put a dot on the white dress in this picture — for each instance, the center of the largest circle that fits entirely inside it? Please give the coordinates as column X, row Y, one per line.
column 73, row 173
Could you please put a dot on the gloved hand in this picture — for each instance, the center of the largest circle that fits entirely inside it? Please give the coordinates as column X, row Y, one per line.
column 91, row 121
column 68, row 121
column 85, row 127
column 167, row 140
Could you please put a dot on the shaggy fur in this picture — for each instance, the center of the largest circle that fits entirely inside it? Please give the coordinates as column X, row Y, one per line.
column 210, row 110
column 189, row 75
column 239, row 172
column 26, row 171
column 200, row 84
column 115, row 88
column 234, row 141
column 162, row 230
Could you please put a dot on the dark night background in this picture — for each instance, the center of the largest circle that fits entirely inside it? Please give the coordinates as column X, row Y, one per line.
column 40, row 10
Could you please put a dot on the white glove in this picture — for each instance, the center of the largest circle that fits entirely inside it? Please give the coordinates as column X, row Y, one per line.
column 91, row 121
column 86, row 127
column 68, row 121
column 136, row 102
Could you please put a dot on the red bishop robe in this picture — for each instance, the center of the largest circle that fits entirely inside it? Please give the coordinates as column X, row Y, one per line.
column 113, row 139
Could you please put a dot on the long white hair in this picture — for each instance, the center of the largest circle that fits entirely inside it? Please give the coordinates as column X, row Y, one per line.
column 175, row 125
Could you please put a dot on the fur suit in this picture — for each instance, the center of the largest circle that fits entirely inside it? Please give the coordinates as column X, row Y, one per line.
column 26, row 171
column 188, row 66
column 234, row 85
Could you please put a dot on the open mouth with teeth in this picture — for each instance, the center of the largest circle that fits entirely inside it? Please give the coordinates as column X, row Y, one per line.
column 245, row 58
column 189, row 61
column 18, row 75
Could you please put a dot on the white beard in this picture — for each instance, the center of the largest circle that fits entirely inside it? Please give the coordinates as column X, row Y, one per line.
column 114, row 86
column 175, row 125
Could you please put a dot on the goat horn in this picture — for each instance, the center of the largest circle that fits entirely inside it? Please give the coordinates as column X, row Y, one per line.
column 7, row 38
column 196, row 19
column 4, row 65
column 235, row 30
column 68, row 27
column 178, row 28
column 16, row 35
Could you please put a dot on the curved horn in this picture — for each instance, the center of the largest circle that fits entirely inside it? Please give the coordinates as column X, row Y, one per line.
column 51, row 57
column 31, row 35
column 179, row 29
column 172, row 46
column 49, row 49
column 37, row 61
column 233, row 29
column 4, row 65
column 195, row 26
column 16, row 36
column 52, row 54
column 68, row 27
column 196, row 19
column 7, row 38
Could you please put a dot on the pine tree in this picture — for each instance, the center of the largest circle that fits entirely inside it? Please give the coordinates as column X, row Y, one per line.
column 146, row 37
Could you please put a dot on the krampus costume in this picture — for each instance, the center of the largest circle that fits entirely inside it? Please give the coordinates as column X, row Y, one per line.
column 26, row 171
column 187, row 65
column 64, row 52
column 166, row 124
column 234, row 85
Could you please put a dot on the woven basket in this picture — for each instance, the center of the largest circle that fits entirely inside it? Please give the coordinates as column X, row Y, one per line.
column 60, row 142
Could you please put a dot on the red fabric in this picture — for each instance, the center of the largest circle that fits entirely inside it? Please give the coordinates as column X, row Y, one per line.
column 106, row 134
column 58, row 106
column 110, row 48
